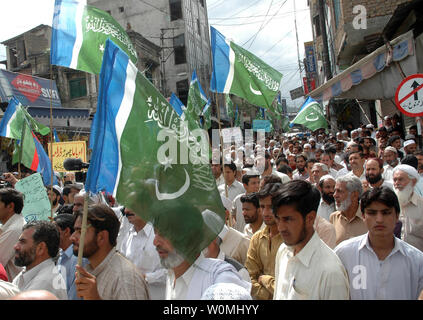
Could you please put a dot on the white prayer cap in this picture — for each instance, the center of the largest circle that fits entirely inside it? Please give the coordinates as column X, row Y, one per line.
column 226, row 291
column 227, row 203
column 307, row 145
column 411, row 171
column 312, row 139
column 344, row 131
column 58, row 189
column 408, row 142
column 387, row 117
column 214, row 222
column 359, row 129
column 327, row 176
column 392, row 149
column 370, row 126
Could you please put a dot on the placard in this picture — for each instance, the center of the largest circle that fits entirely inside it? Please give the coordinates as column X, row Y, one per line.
column 36, row 201
column 63, row 150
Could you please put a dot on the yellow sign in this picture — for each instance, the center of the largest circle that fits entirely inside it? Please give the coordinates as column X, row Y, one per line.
column 63, row 150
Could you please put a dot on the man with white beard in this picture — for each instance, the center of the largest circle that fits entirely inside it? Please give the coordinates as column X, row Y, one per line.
column 347, row 220
column 188, row 279
column 405, row 178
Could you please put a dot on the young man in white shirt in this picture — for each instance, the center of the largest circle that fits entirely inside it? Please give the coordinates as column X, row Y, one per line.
column 379, row 265
column 299, row 272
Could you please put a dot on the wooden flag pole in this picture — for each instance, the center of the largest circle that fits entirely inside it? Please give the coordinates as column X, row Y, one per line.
column 51, row 140
column 222, row 156
column 83, row 231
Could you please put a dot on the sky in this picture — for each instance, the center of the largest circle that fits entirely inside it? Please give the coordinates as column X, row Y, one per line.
column 264, row 27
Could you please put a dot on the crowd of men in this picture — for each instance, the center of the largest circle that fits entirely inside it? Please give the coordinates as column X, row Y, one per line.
column 324, row 217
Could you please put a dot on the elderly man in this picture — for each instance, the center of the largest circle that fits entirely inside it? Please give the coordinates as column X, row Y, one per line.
column 410, row 147
column 379, row 265
column 179, row 246
column 37, row 246
column 390, row 156
column 405, row 179
column 374, row 171
column 347, row 220
column 318, row 171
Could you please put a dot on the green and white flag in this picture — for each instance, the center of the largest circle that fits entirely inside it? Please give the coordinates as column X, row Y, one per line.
column 238, row 71
column 196, row 101
column 144, row 154
column 79, row 34
column 311, row 115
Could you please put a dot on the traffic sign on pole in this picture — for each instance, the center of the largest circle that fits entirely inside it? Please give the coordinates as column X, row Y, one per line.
column 409, row 96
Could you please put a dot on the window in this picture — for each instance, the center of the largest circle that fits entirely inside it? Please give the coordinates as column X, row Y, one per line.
column 78, row 88
column 121, row 9
column 175, row 9
column 199, row 27
column 148, row 73
column 316, row 24
column 182, row 88
column 179, row 49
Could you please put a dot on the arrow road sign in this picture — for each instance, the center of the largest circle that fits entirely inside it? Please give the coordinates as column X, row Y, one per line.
column 407, row 97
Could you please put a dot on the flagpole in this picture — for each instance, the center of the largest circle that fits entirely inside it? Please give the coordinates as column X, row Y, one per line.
column 221, row 150
column 83, row 231
column 20, row 150
column 51, row 140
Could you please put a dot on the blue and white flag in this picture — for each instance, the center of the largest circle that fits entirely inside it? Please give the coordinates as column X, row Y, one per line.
column 79, row 34
column 177, row 104
column 131, row 159
column 56, row 137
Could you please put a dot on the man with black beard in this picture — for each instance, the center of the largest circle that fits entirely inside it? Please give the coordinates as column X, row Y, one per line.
column 411, row 204
column 374, row 171
column 54, row 197
column 189, row 272
column 37, row 246
column 326, row 187
column 109, row 275
column 301, row 173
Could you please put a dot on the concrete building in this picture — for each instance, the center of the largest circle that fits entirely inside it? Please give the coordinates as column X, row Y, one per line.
column 179, row 27
column 29, row 53
column 358, row 82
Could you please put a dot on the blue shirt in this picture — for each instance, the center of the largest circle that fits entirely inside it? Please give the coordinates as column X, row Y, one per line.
column 68, row 262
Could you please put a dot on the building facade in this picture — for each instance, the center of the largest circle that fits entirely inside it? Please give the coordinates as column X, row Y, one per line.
column 180, row 28
column 354, row 32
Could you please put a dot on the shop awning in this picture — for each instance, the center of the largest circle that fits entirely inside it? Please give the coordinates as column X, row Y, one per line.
column 371, row 78
column 62, row 117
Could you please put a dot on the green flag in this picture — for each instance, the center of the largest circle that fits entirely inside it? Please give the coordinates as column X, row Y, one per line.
column 195, row 104
column 311, row 115
column 79, row 34
column 207, row 116
column 285, row 124
column 238, row 71
column 144, row 154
